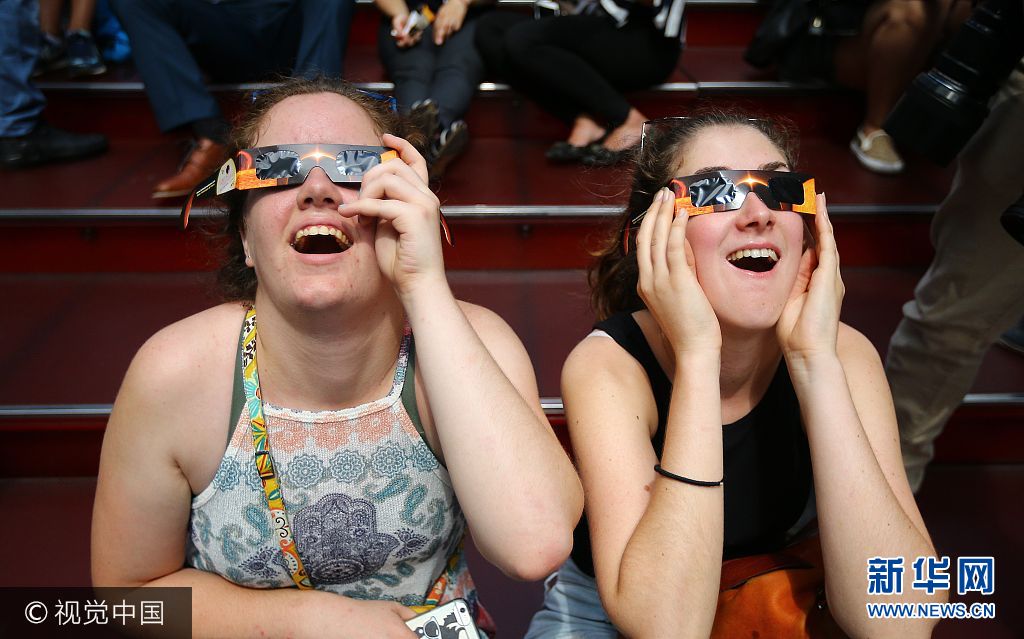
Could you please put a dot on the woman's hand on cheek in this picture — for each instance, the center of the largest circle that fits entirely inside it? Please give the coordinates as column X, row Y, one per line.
column 395, row 196
column 668, row 282
column 809, row 324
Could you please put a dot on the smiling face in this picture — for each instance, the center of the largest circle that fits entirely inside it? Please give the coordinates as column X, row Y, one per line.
column 746, row 292
column 304, row 252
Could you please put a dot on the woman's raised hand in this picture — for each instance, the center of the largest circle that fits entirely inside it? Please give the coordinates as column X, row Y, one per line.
column 396, row 198
column 668, row 280
column 809, row 324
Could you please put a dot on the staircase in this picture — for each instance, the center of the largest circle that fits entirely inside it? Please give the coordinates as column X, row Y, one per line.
column 90, row 267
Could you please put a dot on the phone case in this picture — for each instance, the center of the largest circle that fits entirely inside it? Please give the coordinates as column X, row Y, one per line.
column 451, row 620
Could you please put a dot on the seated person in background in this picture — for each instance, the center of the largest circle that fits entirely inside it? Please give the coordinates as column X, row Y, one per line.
column 175, row 41
column 77, row 51
column 25, row 138
column 720, row 354
column 435, row 68
column 396, row 417
column 894, row 45
column 577, row 66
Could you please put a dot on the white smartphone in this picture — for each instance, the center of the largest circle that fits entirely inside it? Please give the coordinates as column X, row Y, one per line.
column 451, row 620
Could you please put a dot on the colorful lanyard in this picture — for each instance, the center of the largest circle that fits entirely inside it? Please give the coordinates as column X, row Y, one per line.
column 264, row 462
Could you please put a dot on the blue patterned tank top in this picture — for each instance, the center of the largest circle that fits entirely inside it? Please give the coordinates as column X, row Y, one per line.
column 372, row 510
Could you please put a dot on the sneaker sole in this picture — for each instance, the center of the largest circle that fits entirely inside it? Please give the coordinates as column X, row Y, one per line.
column 872, row 164
column 165, row 195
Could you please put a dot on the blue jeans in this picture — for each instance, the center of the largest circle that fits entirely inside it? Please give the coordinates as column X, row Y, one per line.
column 572, row 608
column 21, row 103
column 175, row 41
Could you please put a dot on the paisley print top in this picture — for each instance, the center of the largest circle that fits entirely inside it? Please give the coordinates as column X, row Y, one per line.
column 372, row 510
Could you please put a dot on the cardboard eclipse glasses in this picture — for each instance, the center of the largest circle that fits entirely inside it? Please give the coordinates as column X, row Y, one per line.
column 717, row 191
column 289, row 165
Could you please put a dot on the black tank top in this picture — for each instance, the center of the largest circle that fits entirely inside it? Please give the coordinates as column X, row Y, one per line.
column 767, row 460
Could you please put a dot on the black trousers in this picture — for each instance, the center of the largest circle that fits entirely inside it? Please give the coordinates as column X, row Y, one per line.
column 448, row 74
column 175, row 41
column 576, row 64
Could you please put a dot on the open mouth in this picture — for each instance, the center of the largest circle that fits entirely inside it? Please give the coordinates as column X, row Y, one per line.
column 756, row 260
column 320, row 240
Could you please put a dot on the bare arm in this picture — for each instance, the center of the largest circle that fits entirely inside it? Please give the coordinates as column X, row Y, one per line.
column 515, row 484
column 141, row 514
column 865, row 506
column 657, row 543
column 658, row 564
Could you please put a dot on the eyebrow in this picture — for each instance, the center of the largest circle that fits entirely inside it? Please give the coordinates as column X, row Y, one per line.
column 769, row 166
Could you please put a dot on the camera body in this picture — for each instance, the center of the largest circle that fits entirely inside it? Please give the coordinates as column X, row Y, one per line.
column 943, row 107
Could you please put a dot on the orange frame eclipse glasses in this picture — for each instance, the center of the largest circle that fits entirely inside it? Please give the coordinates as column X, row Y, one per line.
column 716, row 191
column 289, row 165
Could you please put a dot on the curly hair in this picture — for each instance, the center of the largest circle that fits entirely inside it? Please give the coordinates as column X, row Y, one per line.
column 613, row 276
column 235, row 280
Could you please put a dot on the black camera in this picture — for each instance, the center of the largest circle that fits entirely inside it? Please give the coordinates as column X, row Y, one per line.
column 943, row 107
column 1013, row 220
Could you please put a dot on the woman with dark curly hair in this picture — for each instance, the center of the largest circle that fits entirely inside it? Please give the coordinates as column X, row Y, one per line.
column 345, row 447
column 721, row 405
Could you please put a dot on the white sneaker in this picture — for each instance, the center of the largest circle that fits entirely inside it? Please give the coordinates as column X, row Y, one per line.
column 877, row 152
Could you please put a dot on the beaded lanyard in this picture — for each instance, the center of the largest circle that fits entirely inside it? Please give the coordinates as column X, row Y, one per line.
column 264, row 463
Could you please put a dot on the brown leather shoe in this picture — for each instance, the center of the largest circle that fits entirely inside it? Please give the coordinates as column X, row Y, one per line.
column 204, row 158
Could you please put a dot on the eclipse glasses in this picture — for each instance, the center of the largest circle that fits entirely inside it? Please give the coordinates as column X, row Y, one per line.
column 289, row 165
column 716, row 191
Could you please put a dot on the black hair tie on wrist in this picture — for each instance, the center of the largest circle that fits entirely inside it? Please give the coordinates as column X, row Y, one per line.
column 686, row 480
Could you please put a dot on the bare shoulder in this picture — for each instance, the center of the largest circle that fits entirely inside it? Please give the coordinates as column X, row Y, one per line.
column 176, row 356
column 599, row 356
column 864, row 371
column 484, row 321
column 602, row 382
column 177, row 391
column 853, row 347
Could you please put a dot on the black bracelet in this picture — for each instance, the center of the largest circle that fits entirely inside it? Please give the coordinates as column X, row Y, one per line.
column 686, row 480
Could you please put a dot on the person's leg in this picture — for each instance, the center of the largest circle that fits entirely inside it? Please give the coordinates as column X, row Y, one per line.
column 410, row 68
column 49, row 17
column 582, row 62
column 82, row 12
column 173, row 79
column 323, row 36
column 83, row 54
column 971, row 292
column 894, row 44
column 25, row 139
column 572, row 608
column 457, row 74
column 490, row 33
column 21, row 103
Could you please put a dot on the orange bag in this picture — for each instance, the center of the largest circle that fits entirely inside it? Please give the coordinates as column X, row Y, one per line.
column 777, row 595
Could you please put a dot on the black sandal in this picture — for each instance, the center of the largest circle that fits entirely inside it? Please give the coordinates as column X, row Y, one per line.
column 564, row 153
column 600, row 155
